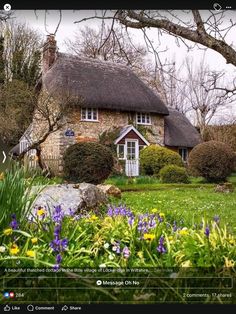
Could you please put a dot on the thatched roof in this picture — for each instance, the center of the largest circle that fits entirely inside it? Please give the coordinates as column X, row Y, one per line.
column 101, row 85
column 179, row 131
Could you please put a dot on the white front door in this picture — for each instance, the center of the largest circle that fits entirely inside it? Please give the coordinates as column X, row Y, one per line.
column 132, row 158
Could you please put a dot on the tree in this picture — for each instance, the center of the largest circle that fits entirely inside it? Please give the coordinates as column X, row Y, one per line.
column 108, row 44
column 203, row 101
column 22, row 53
column 208, row 29
column 17, row 102
column 51, row 114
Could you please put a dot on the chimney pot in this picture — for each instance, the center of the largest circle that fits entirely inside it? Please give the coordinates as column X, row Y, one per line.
column 49, row 52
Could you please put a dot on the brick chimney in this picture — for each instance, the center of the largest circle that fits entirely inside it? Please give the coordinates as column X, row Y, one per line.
column 49, row 52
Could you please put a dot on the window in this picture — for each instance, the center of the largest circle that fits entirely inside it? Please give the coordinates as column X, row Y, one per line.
column 143, row 118
column 131, row 154
column 121, row 151
column 183, row 153
column 89, row 114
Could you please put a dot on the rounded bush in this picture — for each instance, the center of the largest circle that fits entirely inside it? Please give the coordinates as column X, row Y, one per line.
column 88, row 162
column 154, row 157
column 173, row 174
column 212, row 160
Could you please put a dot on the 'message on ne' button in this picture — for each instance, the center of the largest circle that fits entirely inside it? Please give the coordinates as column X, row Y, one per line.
column 118, row 283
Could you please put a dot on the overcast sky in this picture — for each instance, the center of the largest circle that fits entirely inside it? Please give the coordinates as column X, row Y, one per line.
column 68, row 28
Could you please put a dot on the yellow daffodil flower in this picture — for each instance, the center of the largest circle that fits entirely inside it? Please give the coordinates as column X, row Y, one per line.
column 148, row 236
column 14, row 250
column 34, row 240
column 7, row 231
column 140, row 254
column 41, row 211
column 154, row 210
column 229, row 263
column 184, row 231
column 162, row 215
column 30, row 253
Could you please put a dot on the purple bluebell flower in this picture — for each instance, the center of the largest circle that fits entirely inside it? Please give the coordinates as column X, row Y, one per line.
column 58, row 245
column 161, row 248
column 207, row 231
column 216, row 219
column 58, row 259
column 58, row 214
column 56, row 267
column 126, row 252
column 110, row 211
column 131, row 220
column 175, row 226
column 14, row 224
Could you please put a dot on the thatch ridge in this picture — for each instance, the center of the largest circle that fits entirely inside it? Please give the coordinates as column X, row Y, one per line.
column 101, row 84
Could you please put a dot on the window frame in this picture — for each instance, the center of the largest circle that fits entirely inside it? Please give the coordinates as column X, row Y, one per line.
column 181, row 149
column 146, row 116
column 94, row 111
column 118, row 146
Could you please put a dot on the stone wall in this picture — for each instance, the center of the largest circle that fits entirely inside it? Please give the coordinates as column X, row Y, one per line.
column 58, row 142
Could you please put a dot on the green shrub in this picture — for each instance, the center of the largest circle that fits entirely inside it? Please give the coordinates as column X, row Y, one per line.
column 153, row 158
column 173, row 174
column 212, row 160
column 88, row 162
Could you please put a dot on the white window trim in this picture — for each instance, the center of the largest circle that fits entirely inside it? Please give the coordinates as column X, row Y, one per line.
column 118, row 152
column 136, row 147
column 181, row 148
column 86, row 119
column 145, row 113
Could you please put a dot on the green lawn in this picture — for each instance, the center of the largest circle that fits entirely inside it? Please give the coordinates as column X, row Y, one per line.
column 186, row 204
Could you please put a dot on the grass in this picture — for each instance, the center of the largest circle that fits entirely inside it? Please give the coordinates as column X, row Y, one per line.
column 191, row 205
column 146, row 183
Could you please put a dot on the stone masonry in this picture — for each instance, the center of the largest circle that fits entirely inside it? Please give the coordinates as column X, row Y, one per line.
column 57, row 142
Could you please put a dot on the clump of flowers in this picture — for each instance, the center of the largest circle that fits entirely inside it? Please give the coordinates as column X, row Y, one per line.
column 58, row 245
column 146, row 222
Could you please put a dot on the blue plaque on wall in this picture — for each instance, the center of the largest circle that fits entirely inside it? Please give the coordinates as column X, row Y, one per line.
column 69, row 132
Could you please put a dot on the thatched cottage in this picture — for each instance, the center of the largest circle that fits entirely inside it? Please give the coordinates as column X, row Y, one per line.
column 113, row 98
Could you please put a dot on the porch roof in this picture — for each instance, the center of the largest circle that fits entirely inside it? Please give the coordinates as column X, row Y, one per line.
column 125, row 130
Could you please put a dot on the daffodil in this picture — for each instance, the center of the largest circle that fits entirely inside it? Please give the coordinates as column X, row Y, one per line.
column 34, row 240
column 148, row 236
column 229, row 263
column 186, row 264
column 140, row 254
column 184, row 231
column 162, row 215
column 154, row 210
column 7, row 231
column 30, row 253
column 14, row 250
column 41, row 212
column 92, row 218
column 1, row 176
